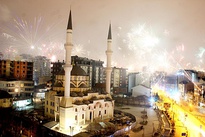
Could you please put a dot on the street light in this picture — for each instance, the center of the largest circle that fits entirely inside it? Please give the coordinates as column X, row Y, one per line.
column 190, row 107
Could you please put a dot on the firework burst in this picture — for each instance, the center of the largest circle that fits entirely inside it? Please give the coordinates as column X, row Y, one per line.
column 33, row 37
column 146, row 50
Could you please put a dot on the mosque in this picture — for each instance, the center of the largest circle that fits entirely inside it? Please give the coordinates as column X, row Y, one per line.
column 71, row 102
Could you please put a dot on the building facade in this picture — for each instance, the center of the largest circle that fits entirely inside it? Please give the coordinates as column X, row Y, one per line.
column 42, row 69
column 119, row 80
column 21, row 70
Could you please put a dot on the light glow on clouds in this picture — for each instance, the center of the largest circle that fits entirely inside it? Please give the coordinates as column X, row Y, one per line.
column 155, row 39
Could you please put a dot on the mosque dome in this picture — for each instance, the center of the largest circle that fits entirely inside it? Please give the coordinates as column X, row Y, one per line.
column 61, row 72
column 78, row 71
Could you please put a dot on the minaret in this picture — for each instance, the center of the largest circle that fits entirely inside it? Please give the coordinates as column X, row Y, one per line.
column 66, row 115
column 109, row 54
column 68, row 47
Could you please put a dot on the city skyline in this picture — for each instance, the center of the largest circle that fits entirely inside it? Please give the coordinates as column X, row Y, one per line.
column 160, row 35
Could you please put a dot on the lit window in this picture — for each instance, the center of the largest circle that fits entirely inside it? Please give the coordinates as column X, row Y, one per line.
column 22, row 85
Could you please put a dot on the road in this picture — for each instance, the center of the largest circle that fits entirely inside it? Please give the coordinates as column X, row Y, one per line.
column 186, row 120
column 194, row 126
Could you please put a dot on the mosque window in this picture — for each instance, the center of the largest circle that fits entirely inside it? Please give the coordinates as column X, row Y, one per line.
column 82, row 116
column 76, row 110
column 105, row 112
column 76, row 117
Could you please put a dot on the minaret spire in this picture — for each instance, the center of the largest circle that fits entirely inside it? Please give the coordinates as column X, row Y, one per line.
column 70, row 21
column 109, row 54
column 109, row 33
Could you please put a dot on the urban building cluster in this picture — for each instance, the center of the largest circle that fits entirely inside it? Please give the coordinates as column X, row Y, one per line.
column 25, row 77
column 187, row 85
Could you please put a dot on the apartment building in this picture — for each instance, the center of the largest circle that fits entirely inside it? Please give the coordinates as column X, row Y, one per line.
column 17, row 79
column 42, row 69
column 20, row 70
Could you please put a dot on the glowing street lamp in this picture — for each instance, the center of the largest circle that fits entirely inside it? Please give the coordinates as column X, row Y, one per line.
column 190, row 107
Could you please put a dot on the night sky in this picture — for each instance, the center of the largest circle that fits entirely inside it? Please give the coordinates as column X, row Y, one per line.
column 159, row 34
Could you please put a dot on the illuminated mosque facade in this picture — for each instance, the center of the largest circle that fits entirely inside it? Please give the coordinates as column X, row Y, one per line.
column 71, row 101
